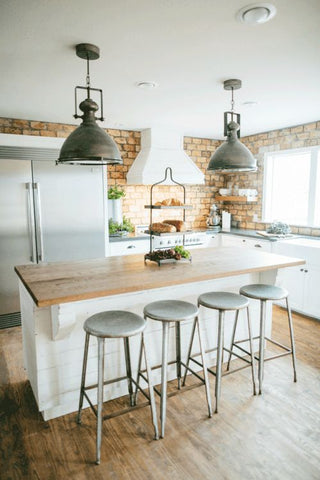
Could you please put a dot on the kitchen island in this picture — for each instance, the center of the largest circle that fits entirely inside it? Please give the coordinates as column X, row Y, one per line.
column 57, row 298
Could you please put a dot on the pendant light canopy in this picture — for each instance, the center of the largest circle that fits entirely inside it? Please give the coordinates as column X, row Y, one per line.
column 89, row 144
column 232, row 155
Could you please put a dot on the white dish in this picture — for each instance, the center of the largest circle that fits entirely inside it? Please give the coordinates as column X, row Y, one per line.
column 225, row 191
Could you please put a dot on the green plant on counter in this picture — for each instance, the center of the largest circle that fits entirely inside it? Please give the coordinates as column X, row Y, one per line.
column 127, row 225
column 116, row 228
column 116, row 192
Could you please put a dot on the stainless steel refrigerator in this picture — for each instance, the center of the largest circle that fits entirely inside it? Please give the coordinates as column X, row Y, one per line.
column 48, row 213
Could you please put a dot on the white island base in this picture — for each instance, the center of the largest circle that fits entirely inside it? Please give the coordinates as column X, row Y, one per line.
column 53, row 338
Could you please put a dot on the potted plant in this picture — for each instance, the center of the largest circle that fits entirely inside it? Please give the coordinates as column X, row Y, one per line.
column 115, row 195
column 118, row 229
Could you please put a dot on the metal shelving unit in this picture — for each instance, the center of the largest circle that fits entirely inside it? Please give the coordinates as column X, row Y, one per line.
column 184, row 207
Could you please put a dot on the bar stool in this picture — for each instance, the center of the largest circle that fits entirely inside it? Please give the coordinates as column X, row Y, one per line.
column 223, row 302
column 114, row 324
column 168, row 312
column 266, row 293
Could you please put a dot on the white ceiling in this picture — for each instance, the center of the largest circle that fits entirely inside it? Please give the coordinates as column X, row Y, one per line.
column 187, row 46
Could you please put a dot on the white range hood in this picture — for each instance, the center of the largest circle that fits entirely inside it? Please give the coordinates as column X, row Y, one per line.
column 161, row 149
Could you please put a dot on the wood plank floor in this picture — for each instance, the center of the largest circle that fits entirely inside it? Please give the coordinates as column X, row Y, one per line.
column 274, row 436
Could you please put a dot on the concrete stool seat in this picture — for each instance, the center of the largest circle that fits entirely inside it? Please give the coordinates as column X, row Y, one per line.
column 264, row 293
column 260, row 291
column 167, row 312
column 115, row 324
column 170, row 310
column 224, row 301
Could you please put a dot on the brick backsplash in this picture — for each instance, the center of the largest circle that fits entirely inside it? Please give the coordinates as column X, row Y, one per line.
column 200, row 150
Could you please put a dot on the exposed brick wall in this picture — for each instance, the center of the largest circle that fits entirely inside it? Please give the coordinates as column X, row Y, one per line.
column 200, row 150
column 294, row 137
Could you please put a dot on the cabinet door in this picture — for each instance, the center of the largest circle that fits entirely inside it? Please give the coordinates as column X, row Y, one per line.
column 262, row 245
column 240, row 241
column 293, row 280
column 129, row 247
column 232, row 241
column 311, row 304
column 213, row 240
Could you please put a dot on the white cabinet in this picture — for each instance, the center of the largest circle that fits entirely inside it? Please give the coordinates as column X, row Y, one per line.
column 128, row 247
column 213, row 240
column 311, row 304
column 229, row 240
column 303, row 281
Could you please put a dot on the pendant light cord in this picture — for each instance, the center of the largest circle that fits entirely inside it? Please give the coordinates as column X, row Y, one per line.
column 88, row 77
column 232, row 103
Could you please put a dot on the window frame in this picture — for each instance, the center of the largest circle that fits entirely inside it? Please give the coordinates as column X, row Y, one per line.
column 314, row 152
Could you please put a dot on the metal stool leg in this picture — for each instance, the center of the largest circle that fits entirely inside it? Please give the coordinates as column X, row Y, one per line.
column 178, row 353
column 128, row 370
column 293, row 348
column 251, row 352
column 219, row 359
column 100, row 395
column 261, row 342
column 189, row 351
column 163, row 399
column 83, row 377
column 138, row 374
column 232, row 338
column 150, row 387
column 204, row 364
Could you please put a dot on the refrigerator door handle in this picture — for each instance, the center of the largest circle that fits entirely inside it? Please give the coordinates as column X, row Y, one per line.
column 31, row 225
column 38, row 221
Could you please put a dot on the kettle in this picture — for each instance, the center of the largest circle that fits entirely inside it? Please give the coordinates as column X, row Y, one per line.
column 214, row 218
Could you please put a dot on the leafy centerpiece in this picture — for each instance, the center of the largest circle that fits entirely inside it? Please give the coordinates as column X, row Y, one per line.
column 169, row 255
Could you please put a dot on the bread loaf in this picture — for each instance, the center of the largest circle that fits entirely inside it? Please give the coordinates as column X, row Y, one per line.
column 162, row 228
column 179, row 224
column 175, row 202
column 170, row 202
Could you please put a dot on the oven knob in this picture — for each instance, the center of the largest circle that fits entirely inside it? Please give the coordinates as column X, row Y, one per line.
column 169, row 241
column 161, row 242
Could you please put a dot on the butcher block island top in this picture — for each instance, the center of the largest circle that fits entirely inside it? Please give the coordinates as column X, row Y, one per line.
column 62, row 282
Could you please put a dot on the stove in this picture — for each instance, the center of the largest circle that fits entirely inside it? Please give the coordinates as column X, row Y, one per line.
column 191, row 239
column 166, row 240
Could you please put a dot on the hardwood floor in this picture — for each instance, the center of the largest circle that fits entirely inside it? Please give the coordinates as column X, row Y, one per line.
column 274, row 436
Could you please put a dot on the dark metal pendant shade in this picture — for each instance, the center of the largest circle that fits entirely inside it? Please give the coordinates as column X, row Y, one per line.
column 89, row 144
column 232, row 155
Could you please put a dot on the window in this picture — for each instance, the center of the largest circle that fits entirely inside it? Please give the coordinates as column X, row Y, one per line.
column 292, row 187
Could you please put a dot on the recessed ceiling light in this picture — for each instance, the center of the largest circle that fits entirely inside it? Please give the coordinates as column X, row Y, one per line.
column 147, row 85
column 256, row 13
column 250, row 103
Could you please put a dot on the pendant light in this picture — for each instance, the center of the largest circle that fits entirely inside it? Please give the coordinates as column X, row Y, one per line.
column 232, row 155
column 89, row 144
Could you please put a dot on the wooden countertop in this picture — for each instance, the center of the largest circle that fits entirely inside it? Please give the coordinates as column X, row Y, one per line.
column 62, row 282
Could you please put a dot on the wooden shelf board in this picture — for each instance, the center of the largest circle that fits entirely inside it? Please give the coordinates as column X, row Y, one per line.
column 159, row 207
column 235, row 198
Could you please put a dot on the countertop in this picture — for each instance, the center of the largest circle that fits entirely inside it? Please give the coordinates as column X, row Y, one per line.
column 233, row 231
column 61, row 282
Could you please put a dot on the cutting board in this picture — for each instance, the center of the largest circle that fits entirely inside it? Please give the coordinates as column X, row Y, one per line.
column 274, row 235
